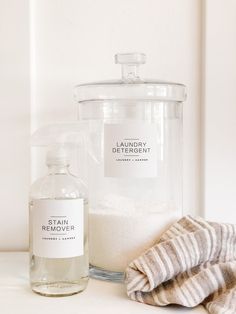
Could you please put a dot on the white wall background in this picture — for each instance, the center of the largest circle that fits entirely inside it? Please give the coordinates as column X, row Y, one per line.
column 71, row 42
column 219, row 112
column 14, row 123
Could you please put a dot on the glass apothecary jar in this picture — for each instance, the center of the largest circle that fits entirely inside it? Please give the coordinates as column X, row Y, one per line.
column 135, row 164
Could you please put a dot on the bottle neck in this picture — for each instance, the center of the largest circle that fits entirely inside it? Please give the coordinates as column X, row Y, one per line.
column 58, row 169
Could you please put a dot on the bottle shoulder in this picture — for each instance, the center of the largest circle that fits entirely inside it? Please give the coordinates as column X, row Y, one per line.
column 58, row 186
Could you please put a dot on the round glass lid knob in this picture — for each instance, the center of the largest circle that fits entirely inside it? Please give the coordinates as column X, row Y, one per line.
column 130, row 65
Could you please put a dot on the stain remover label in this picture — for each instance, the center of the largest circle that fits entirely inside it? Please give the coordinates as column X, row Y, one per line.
column 58, row 228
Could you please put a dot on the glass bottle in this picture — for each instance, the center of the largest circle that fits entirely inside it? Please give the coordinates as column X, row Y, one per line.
column 58, row 213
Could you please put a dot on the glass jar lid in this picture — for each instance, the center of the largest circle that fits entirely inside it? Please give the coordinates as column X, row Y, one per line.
column 131, row 86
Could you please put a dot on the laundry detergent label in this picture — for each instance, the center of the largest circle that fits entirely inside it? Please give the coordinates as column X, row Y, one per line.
column 130, row 150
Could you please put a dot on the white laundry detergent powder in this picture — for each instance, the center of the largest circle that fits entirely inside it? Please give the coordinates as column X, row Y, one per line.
column 119, row 236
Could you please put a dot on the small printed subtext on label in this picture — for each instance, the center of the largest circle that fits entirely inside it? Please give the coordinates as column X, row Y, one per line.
column 58, row 228
column 130, row 150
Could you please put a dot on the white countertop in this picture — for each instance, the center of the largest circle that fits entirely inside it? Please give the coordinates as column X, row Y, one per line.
column 100, row 297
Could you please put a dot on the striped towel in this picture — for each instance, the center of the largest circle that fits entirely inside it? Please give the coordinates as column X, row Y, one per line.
column 194, row 262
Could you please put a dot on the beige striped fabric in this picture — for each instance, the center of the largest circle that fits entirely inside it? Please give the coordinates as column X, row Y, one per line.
column 193, row 263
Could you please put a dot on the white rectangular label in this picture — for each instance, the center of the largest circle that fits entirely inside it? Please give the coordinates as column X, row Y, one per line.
column 130, row 150
column 58, row 228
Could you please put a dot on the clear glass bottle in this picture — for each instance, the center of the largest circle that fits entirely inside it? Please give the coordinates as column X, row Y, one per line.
column 58, row 214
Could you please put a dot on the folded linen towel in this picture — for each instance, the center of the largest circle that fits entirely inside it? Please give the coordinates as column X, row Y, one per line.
column 194, row 262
